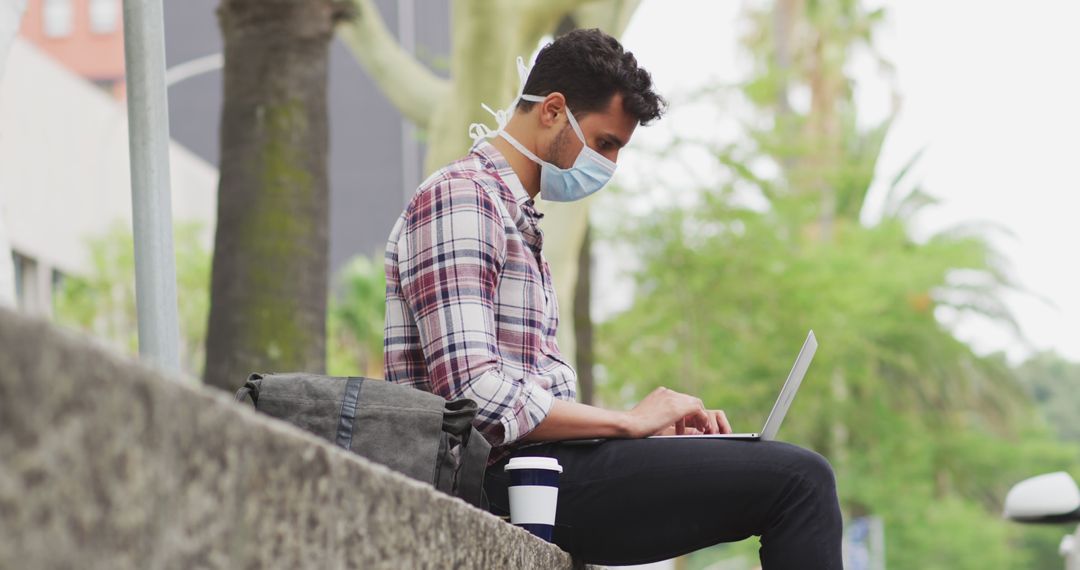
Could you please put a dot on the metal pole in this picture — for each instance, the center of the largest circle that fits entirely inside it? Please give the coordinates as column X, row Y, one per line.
column 148, row 140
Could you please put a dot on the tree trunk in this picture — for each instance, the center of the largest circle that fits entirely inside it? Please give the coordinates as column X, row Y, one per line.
column 269, row 284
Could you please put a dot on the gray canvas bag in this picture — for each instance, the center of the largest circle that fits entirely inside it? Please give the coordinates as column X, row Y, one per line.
column 416, row 433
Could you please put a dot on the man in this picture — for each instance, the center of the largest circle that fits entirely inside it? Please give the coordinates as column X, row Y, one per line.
column 471, row 312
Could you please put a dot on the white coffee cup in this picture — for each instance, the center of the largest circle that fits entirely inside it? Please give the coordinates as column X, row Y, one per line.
column 534, row 493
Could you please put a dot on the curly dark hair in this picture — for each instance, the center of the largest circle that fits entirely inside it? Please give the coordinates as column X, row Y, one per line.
column 588, row 67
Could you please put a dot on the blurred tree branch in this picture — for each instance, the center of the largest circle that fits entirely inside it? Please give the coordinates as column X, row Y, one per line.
column 412, row 88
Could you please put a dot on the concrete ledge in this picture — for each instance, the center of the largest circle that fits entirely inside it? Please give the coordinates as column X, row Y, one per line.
column 105, row 463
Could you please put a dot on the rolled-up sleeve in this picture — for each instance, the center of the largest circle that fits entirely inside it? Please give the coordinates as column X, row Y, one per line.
column 450, row 255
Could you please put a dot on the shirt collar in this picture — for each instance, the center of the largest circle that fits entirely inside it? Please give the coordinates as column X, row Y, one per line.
column 502, row 167
column 527, row 217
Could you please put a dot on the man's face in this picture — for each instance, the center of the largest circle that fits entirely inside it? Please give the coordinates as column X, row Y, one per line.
column 606, row 131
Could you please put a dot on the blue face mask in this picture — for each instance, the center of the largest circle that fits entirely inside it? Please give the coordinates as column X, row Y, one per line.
column 589, row 173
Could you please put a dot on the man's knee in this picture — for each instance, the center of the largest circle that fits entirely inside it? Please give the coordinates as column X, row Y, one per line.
column 812, row 469
column 809, row 486
column 819, row 470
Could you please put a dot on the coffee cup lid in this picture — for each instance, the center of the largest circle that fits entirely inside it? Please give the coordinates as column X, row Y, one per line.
column 533, row 463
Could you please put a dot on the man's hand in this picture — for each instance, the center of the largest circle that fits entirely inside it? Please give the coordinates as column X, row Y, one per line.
column 670, row 430
column 664, row 407
column 721, row 420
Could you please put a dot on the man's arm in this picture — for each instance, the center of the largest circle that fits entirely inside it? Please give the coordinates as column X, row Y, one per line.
column 662, row 412
column 571, row 420
column 450, row 255
column 449, row 259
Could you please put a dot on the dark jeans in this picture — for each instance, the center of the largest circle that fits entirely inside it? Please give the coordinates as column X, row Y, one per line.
column 634, row 501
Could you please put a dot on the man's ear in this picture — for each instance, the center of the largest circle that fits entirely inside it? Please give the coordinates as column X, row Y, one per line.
column 550, row 108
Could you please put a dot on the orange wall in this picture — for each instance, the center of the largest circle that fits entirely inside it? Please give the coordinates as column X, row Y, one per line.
column 92, row 55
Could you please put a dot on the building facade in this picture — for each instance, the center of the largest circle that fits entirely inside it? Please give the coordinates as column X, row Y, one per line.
column 85, row 36
column 65, row 174
column 72, row 150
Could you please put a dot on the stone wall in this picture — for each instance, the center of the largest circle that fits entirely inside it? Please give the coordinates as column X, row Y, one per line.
column 106, row 463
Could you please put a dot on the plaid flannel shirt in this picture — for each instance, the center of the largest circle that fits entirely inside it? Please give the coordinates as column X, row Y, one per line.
column 470, row 306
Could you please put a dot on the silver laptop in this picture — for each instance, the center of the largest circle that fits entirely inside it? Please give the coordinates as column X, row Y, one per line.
column 780, row 408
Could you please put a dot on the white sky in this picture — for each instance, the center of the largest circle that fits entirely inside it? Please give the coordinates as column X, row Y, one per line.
column 990, row 88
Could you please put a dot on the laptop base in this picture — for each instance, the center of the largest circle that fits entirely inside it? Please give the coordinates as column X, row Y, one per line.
column 747, row 436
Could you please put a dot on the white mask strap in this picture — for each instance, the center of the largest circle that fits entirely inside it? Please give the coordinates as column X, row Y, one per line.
column 569, row 115
column 521, row 148
column 481, row 131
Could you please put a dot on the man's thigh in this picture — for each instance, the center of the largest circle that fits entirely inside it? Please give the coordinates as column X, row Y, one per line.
column 626, row 501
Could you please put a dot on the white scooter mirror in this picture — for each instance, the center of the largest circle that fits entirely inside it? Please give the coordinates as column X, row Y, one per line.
column 1049, row 498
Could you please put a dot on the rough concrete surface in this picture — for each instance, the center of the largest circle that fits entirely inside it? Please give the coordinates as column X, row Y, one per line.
column 106, row 463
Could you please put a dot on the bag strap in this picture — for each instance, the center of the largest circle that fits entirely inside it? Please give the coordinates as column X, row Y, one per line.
column 458, row 416
column 250, row 390
column 347, row 416
column 474, row 455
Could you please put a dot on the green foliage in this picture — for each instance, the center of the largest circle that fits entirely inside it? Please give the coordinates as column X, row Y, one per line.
column 1054, row 384
column 920, row 430
column 355, row 320
column 102, row 302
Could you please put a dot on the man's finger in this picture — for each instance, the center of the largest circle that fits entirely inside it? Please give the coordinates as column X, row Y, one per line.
column 711, row 425
column 704, row 419
column 721, row 418
column 680, row 427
